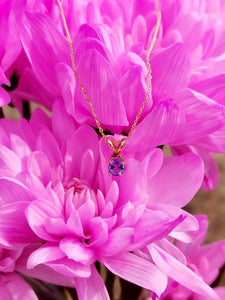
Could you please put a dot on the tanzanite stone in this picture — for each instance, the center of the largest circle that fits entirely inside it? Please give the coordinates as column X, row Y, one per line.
column 116, row 166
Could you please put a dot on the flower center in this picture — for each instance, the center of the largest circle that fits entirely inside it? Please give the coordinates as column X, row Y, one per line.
column 77, row 185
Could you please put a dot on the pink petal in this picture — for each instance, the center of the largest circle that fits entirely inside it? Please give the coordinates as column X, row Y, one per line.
column 9, row 126
column 3, row 78
column 178, row 174
column 4, row 97
column 220, row 291
column 44, row 254
column 172, row 250
column 211, row 176
column 184, row 230
column 87, row 210
column 197, row 236
column 33, row 183
column 100, row 200
column 153, row 226
column 112, row 194
column 18, row 288
column 10, row 11
column 76, row 250
column 214, row 142
column 46, row 143
column 92, row 287
column 39, row 166
column 158, row 127
column 70, row 268
column 39, row 121
column 138, row 271
column 119, row 240
column 86, row 31
column 60, row 119
column 67, row 86
column 74, row 224
column 37, row 214
column 105, row 154
column 27, row 133
column 107, row 210
column 10, row 161
column 188, row 26
column 8, row 259
column 4, row 292
column 132, row 85
column 90, row 43
column 137, row 183
column 12, row 190
column 180, row 273
column 14, row 229
column 56, row 226
column 100, row 83
column 173, row 36
column 211, row 173
column 198, row 110
column 19, row 146
column 83, row 139
column 44, row 50
column 170, row 71
column 212, row 87
column 139, row 29
column 215, row 254
column 4, row 137
column 130, row 215
column 42, row 271
column 152, row 162
column 88, row 166
column 208, row 41
column 99, row 232
column 29, row 87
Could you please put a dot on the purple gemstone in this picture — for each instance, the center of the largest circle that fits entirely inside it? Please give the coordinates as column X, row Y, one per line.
column 116, row 166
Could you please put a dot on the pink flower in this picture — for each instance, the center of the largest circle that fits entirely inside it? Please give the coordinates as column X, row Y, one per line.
column 73, row 213
column 206, row 50
column 17, row 80
column 182, row 117
column 56, row 187
column 204, row 260
column 53, row 67
column 199, row 62
column 10, row 45
column 12, row 284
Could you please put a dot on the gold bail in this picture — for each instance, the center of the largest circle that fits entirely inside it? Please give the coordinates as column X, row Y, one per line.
column 117, row 146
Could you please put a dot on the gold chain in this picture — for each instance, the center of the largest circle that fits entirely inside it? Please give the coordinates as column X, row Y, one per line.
column 116, row 146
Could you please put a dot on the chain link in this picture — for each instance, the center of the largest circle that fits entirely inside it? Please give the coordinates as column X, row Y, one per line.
column 115, row 146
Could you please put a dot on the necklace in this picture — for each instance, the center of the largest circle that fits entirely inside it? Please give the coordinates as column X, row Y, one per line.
column 116, row 162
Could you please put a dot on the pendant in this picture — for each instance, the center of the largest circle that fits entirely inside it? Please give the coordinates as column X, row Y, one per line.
column 116, row 165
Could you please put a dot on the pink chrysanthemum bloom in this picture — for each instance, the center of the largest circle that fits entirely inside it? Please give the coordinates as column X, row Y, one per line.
column 133, row 27
column 17, row 79
column 206, row 56
column 12, row 285
column 182, row 60
column 197, row 64
column 204, row 260
column 68, row 207
column 181, row 111
column 55, row 183
column 10, row 45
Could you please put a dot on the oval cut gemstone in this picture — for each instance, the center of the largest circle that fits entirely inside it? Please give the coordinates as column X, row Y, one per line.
column 116, row 166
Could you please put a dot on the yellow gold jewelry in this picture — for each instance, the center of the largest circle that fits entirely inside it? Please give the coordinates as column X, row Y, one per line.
column 116, row 163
